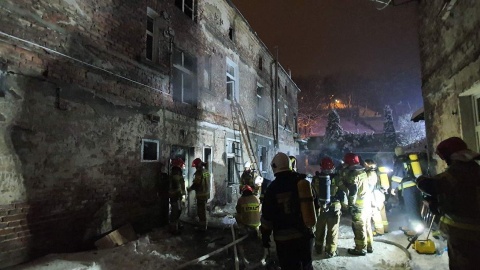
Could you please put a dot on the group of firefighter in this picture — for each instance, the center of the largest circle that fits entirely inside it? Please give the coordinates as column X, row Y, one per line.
column 304, row 216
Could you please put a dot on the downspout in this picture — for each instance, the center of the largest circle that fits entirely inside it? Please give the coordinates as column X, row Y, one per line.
column 272, row 98
column 276, row 99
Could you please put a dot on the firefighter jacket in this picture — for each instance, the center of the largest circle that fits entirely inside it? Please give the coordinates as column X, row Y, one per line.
column 402, row 176
column 281, row 210
column 177, row 186
column 457, row 192
column 248, row 211
column 247, row 178
column 201, row 184
column 354, row 181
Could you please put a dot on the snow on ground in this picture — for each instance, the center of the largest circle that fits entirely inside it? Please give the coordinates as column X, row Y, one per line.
column 160, row 250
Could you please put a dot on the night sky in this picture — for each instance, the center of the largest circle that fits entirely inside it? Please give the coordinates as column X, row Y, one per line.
column 368, row 50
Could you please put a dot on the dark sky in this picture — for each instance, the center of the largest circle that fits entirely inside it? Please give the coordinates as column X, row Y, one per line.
column 344, row 38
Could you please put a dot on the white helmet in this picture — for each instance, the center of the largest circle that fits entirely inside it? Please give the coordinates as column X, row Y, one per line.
column 281, row 163
column 247, row 164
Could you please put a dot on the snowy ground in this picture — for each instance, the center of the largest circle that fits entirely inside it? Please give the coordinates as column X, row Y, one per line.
column 161, row 250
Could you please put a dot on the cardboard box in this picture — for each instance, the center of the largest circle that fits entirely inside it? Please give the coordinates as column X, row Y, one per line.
column 117, row 237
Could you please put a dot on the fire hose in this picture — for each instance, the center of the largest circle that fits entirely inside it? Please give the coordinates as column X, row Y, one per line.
column 409, row 256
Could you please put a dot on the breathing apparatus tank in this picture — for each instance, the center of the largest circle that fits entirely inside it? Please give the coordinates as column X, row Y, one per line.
column 324, row 183
column 383, row 174
column 415, row 164
column 306, row 203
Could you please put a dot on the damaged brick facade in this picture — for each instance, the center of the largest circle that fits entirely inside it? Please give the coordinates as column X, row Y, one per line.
column 450, row 56
column 97, row 96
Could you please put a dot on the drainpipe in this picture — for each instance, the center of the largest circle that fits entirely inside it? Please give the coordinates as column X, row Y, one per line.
column 276, row 99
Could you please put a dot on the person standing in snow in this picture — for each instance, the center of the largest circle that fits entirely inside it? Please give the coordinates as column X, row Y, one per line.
column 355, row 182
column 403, row 181
column 324, row 184
column 455, row 194
column 288, row 211
column 201, row 185
column 176, row 193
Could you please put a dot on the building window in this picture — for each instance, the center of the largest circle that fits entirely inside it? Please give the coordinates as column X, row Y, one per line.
column 262, row 158
column 189, row 7
column 262, row 101
column 231, row 33
column 295, row 123
column 184, row 78
column 150, row 150
column 207, row 71
column 260, row 63
column 151, row 48
column 286, row 91
column 232, row 81
column 286, row 125
column 476, row 105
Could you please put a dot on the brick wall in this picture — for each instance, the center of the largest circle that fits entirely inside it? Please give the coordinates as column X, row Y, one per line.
column 450, row 63
column 77, row 96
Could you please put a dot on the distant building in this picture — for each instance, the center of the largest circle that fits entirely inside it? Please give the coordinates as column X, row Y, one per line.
column 98, row 96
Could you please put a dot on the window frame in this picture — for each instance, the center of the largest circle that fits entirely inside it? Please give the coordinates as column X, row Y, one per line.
column 143, row 150
column 232, row 79
column 183, row 6
column 153, row 16
column 182, row 70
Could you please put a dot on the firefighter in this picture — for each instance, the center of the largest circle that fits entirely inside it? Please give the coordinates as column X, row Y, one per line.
column 379, row 215
column 201, row 185
column 176, row 193
column 330, row 209
column 456, row 195
column 248, row 210
column 248, row 178
column 161, row 185
column 288, row 211
column 355, row 182
column 403, row 180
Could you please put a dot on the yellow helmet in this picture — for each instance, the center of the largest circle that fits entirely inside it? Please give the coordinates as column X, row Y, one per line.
column 281, row 163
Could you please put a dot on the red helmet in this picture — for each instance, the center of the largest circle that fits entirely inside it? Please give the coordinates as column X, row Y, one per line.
column 351, row 159
column 178, row 162
column 327, row 164
column 449, row 146
column 247, row 188
column 196, row 162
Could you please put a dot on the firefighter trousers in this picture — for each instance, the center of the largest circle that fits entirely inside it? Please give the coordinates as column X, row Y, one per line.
column 202, row 213
column 362, row 229
column 295, row 254
column 329, row 222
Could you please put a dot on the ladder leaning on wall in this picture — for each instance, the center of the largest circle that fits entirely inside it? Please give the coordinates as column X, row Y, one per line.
column 242, row 135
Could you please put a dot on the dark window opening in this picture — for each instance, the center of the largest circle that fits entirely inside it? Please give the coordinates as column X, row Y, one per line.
column 150, row 150
column 231, row 33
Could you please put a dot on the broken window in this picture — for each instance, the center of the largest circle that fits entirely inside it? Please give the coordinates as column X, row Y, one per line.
column 189, row 7
column 262, row 101
column 184, row 78
column 150, row 150
column 151, row 46
column 232, row 80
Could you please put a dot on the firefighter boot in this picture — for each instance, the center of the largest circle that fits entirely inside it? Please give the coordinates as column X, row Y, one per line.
column 357, row 252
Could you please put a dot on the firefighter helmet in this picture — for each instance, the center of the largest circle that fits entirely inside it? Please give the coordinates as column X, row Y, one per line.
column 370, row 164
column 449, row 146
column 351, row 159
column 247, row 165
column 281, row 163
column 327, row 164
column 247, row 188
column 196, row 162
column 178, row 162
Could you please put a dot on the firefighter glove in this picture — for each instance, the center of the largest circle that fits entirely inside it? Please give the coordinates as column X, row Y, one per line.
column 353, row 210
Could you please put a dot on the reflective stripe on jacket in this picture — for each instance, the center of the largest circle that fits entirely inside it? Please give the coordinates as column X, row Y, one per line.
column 201, row 185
